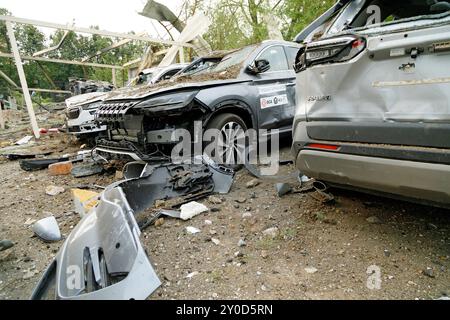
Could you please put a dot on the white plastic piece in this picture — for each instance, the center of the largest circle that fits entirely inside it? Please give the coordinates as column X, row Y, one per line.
column 47, row 229
column 192, row 230
column 24, row 140
column 54, row 190
column 192, row 209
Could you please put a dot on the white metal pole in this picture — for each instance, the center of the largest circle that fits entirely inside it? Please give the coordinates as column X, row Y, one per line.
column 182, row 55
column 114, row 79
column 12, row 103
column 92, row 31
column 23, row 79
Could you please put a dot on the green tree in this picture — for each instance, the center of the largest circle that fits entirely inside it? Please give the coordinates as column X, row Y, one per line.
column 298, row 14
column 6, row 64
column 29, row 39
column 4, row 43
column 236, row 23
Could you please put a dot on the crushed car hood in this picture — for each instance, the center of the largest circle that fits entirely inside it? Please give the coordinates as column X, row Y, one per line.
column 198, row 81
column 138, row 93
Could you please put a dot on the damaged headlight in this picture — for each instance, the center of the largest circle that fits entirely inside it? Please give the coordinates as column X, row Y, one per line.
column 330, row 51
column 91, row 106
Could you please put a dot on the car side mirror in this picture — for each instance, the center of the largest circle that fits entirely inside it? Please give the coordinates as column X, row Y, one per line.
column 260, row 66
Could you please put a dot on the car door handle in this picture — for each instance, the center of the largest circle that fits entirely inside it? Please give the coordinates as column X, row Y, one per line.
column 290, row 84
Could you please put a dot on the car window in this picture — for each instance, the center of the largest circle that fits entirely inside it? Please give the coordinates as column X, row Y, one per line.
column 276, row 57
column 364, row 13
column 232, row 59
column 169, row 74
column 347, row 16
column 291, row 53
column 379, row 11
column 145, row 78
column 200, row 65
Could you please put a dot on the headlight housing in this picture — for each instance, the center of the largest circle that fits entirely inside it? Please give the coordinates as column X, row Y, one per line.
column 91, row 106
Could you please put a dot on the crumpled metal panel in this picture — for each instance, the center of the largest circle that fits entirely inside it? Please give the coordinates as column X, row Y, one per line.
column 107, row 239
column 109, row 230
column 168, row 182
column 378, row 86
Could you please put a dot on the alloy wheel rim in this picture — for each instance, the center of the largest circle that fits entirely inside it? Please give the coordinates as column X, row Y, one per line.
column 231, row 143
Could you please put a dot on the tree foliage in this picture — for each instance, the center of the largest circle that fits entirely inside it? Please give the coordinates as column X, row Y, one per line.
column 75, row 47
column 298, row 14
column 235, row 23
column 240, row 22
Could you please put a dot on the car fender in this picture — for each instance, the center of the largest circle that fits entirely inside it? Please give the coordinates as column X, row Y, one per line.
column 241, row 96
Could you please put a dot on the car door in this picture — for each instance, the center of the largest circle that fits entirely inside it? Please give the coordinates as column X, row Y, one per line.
column 276, row 90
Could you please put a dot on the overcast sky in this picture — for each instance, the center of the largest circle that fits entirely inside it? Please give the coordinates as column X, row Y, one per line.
column 111, row 15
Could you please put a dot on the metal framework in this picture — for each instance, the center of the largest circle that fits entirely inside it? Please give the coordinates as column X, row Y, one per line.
column 9, row 20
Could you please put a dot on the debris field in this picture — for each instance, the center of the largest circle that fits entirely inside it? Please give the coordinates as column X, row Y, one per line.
column 262, row 240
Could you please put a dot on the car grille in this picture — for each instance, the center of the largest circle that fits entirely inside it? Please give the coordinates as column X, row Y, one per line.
column 73, row 113
column 74, row 129
column 113, row 112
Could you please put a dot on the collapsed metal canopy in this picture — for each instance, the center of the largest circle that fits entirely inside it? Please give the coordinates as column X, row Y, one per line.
column 9, row 20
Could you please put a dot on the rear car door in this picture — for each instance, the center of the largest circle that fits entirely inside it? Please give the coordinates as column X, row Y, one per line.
column 276, row 89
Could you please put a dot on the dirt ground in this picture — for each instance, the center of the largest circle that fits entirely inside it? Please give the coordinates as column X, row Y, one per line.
column 317, row 251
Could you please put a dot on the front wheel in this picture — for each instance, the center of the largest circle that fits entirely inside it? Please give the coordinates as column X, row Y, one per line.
column 229, row 140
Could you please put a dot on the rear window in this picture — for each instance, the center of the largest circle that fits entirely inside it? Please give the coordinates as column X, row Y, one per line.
column 379, row 11
column 364, row 13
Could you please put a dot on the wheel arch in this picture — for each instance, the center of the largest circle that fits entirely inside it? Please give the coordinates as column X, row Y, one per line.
column 237, row 107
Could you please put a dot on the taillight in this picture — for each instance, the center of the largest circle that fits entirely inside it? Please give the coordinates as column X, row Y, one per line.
column 334, row 50
column 320, row 146
column 300, row 62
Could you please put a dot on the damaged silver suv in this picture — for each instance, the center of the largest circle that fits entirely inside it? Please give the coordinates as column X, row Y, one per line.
column 374, row 110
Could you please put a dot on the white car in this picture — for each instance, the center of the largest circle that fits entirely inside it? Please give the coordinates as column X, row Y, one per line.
column 81, row 109
column 80, row 114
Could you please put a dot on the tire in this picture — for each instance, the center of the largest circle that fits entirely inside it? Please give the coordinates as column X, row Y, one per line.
column 228, row 122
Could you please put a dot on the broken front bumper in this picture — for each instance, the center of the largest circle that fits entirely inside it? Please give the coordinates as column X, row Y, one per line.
column 126, row 150
column 102, row 258
column 82, row 122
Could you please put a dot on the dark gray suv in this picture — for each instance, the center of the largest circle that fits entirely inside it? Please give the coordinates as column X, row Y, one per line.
column 253, row 87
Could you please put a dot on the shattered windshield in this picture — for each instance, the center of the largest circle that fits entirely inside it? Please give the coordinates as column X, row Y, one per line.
column 347, row 16
column 365, row 13
column 232, row 59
